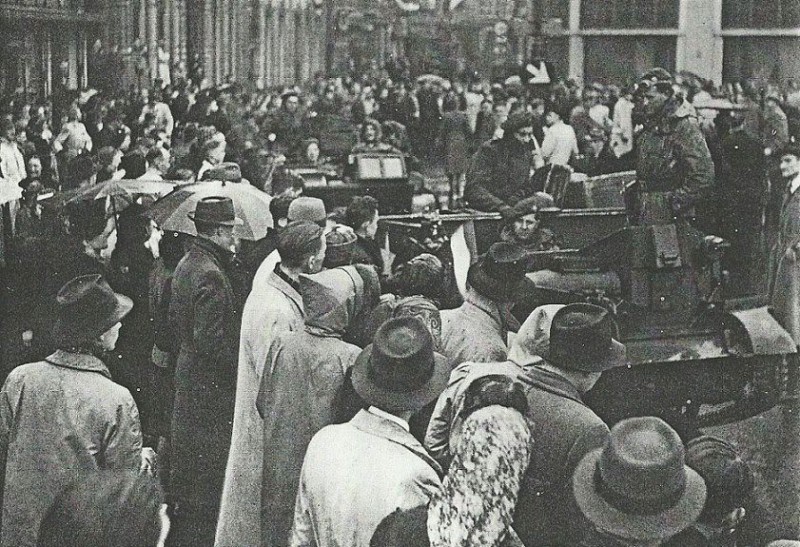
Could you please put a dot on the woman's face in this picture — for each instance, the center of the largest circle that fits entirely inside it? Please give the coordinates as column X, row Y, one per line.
column 369, row 133
column 312, row 152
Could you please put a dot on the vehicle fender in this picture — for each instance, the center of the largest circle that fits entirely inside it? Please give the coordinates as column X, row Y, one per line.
column 765, row 334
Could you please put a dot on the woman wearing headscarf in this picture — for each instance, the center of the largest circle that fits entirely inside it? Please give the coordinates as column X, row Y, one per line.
column 479, row 494
column 302, row 384
column 475, row 506
column 530, row 343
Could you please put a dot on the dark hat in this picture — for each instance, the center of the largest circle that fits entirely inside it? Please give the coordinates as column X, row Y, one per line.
column 340, row 244
column 87, row 307
column 539, row 200
column 582, row 338
column 516, row 120
column 215, row 210
column 81, row 168
column 791, row 149
column 657, row 76
column 399, row 371
column 729, row 479
column 497, row 273
column 226, row 172
column 638, row 486
column 105, row 155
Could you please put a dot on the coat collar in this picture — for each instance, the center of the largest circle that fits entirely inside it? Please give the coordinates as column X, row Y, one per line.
column 475, row 300
column 214, row 251
column 78, row 361
column 381, row 427
column 275, row 281
column 550, row 382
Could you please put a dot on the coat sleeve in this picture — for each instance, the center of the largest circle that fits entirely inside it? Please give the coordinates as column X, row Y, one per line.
column 6, row 424
column 594, row 437
column 437, row 437
column 124, row 443
column 302, row 528
column 481, row 177
column 213, row 336
column 698, row 168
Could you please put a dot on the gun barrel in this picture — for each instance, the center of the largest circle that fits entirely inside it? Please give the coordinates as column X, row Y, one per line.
column 434, row 217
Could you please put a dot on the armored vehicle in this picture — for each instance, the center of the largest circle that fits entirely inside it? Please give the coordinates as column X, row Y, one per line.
column 695, row 356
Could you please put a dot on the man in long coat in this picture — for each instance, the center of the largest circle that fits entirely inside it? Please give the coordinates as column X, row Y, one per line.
column 302, row 392
column 580, row 348
column 203, row 311
column 784, row 288
column 272, row 307
column 64, row 415
column 673, row 163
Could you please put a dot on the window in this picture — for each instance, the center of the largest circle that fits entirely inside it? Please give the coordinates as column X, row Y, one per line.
column 611, row 14
column 761, row 58
column 619, row 59
column 760, row 14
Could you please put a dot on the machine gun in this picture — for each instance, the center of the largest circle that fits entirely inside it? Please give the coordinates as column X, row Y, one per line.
column 429, row 232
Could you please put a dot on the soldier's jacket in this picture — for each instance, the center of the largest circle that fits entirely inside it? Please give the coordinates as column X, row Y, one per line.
column 673, row 155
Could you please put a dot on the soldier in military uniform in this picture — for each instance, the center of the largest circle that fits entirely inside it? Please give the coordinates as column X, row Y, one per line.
column 674, row 167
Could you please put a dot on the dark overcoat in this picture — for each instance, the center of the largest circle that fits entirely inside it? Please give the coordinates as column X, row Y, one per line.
column 673, row 159
column 565, row 430
column 499, row 174
column 784, row 286
column 455, row 138
column 203, row 313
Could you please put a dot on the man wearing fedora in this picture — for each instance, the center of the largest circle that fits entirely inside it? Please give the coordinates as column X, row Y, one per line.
column 356, row 474
column 581, row 347
column 637, row 490
column 65, row 414
column 477, row 330
column 203, row 311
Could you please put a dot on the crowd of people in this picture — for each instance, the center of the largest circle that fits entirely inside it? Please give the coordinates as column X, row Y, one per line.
column 304, row 390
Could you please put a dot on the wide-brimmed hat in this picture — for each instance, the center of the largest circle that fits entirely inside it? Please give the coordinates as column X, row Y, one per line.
column 497, row 273
column 582, row 338
column 216, row 211
column 87, row 307
column 226, row 172
column 638, row 486
column 400, row 371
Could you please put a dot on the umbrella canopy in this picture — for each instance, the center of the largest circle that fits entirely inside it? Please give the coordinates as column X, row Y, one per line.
column 716, row 103
column 251, row 204
column 434, row 79
column 122, row 187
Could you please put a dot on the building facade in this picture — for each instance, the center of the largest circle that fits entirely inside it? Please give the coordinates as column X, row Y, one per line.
column 267, row 42
column 45, row 44
column 721, row 40
column 615, row 40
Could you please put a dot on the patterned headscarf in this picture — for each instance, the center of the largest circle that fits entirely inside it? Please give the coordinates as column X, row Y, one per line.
column 475, row 506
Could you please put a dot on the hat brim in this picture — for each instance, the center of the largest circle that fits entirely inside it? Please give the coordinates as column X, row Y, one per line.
column 235, row 222
column 636, row 527
column 491, row 287
column 395, row 401
column 66, row 333
column 616, row 357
